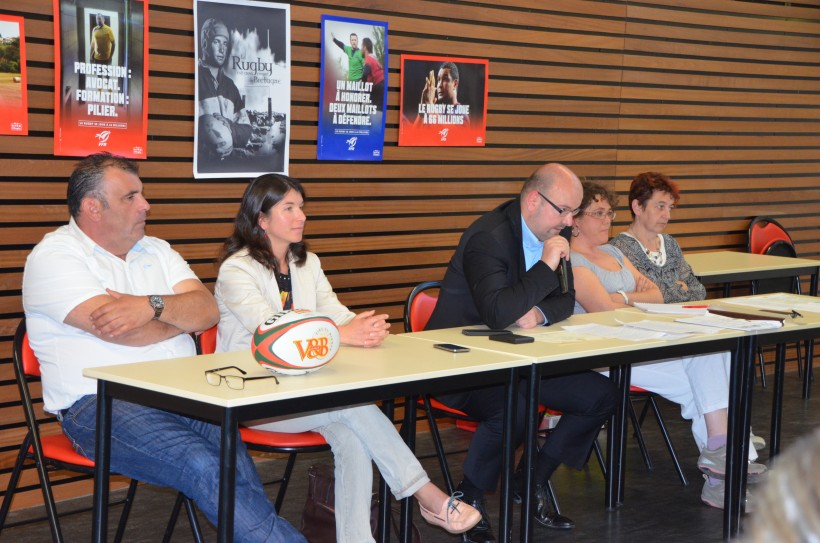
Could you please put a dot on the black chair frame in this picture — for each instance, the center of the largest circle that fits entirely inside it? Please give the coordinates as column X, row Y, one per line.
column 32, row 451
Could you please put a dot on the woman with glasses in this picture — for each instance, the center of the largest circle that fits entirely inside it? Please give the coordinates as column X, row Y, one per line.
column 605, row 279
column 266, row 268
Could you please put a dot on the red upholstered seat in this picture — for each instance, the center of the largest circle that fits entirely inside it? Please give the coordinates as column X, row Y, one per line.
column 282, row 439
column 58, row 447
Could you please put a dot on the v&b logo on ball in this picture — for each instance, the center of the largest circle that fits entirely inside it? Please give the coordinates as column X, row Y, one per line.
column 295, row 342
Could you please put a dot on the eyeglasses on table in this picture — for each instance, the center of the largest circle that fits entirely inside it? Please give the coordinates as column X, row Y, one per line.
column 236, row 382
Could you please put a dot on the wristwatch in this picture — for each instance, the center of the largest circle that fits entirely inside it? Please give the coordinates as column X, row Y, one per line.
column 158, row 304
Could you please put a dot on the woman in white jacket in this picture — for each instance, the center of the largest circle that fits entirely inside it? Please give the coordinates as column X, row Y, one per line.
column 266, row 268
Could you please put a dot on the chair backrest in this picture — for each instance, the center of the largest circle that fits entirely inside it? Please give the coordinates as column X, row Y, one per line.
column 26, row 366
column 419, row 306
column 29, row 364
column 763, row 233
column 768, row 237
column 206, row 341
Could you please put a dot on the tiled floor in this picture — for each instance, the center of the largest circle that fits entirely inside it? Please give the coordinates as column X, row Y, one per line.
column 657, row 507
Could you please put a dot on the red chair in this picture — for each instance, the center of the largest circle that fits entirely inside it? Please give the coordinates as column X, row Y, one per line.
column 55, row 452
column 766, row 236
column 270, row 442
column 763, row 233
column 420, row 304
column 417, row 310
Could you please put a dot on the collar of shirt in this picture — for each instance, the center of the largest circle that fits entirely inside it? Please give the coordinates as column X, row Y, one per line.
column 533, row 247
column 90, row 246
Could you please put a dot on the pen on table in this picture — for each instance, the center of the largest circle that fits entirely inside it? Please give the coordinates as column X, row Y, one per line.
column 696, row 307
column 792, row 313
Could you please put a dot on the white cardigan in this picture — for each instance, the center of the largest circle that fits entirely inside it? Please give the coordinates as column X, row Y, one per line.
column 247, row 294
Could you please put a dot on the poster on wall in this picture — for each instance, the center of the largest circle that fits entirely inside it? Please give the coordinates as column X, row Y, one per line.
column 101, row 77
column 352, row 89
column 443, row 101
column 242, row 123
column 13, row 96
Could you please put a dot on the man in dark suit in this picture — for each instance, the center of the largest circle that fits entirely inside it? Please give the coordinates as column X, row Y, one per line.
column 504, row 272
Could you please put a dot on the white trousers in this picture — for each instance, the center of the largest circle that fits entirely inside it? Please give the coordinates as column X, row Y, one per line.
column 699, row 384
column 358, row 435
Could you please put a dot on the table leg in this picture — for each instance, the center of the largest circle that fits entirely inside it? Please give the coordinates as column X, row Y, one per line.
column 809, row 373
column 527, row 459
column 777, row 399
column 409, row 430
column 737, row 446
column 227, row 477
column 507, row 456
column 615, row 440
column 383, row 532
column 620, row 436
column 102, row 465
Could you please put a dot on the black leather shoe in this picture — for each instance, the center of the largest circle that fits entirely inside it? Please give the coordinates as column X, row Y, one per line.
column 481, row 532
column 545, row 516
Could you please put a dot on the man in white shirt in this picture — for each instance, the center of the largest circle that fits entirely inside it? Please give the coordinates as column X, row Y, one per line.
column 97, row 291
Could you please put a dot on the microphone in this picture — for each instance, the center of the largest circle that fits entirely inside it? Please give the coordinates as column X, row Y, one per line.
column 562, row 275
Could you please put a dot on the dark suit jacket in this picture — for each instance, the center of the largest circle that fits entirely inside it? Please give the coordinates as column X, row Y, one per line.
column 486, row 281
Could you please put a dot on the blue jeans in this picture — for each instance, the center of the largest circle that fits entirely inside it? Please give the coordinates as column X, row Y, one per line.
column 164, row 449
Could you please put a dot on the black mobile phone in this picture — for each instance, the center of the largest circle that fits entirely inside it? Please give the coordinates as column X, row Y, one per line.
column 451, row 348
column 513, row 338
column 484, row 332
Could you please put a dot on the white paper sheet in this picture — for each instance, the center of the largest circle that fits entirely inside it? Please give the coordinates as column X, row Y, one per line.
column 777, row 302
column 719, row 321
column 614, row 332
column 672, row 309
column 668, row 327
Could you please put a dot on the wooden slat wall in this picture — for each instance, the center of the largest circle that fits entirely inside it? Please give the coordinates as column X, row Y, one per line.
column 723, row 95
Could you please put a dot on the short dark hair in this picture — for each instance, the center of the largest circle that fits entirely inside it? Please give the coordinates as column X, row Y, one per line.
column 367, row 43
column 86, row 179
column 452, row 67
column 645, row 184
column 596, row 192
column 260, row 196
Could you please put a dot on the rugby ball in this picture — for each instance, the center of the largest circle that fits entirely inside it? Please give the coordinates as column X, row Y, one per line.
column 295, row 342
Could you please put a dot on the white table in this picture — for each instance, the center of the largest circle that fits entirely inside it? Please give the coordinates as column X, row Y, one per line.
column 727, row 267
column 407, row 364
column 552, row 359
column 399, row 367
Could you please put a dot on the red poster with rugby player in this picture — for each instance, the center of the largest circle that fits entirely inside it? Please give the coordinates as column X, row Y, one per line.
column 13, row 102
column 101, row 77
column 443, row 101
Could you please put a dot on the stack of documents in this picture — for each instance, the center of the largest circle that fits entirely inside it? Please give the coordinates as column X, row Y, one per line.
column 719, row 321
column 778, row 302
column 673, row 309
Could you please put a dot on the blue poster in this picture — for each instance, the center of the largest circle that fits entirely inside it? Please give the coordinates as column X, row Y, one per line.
column 353, row 89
